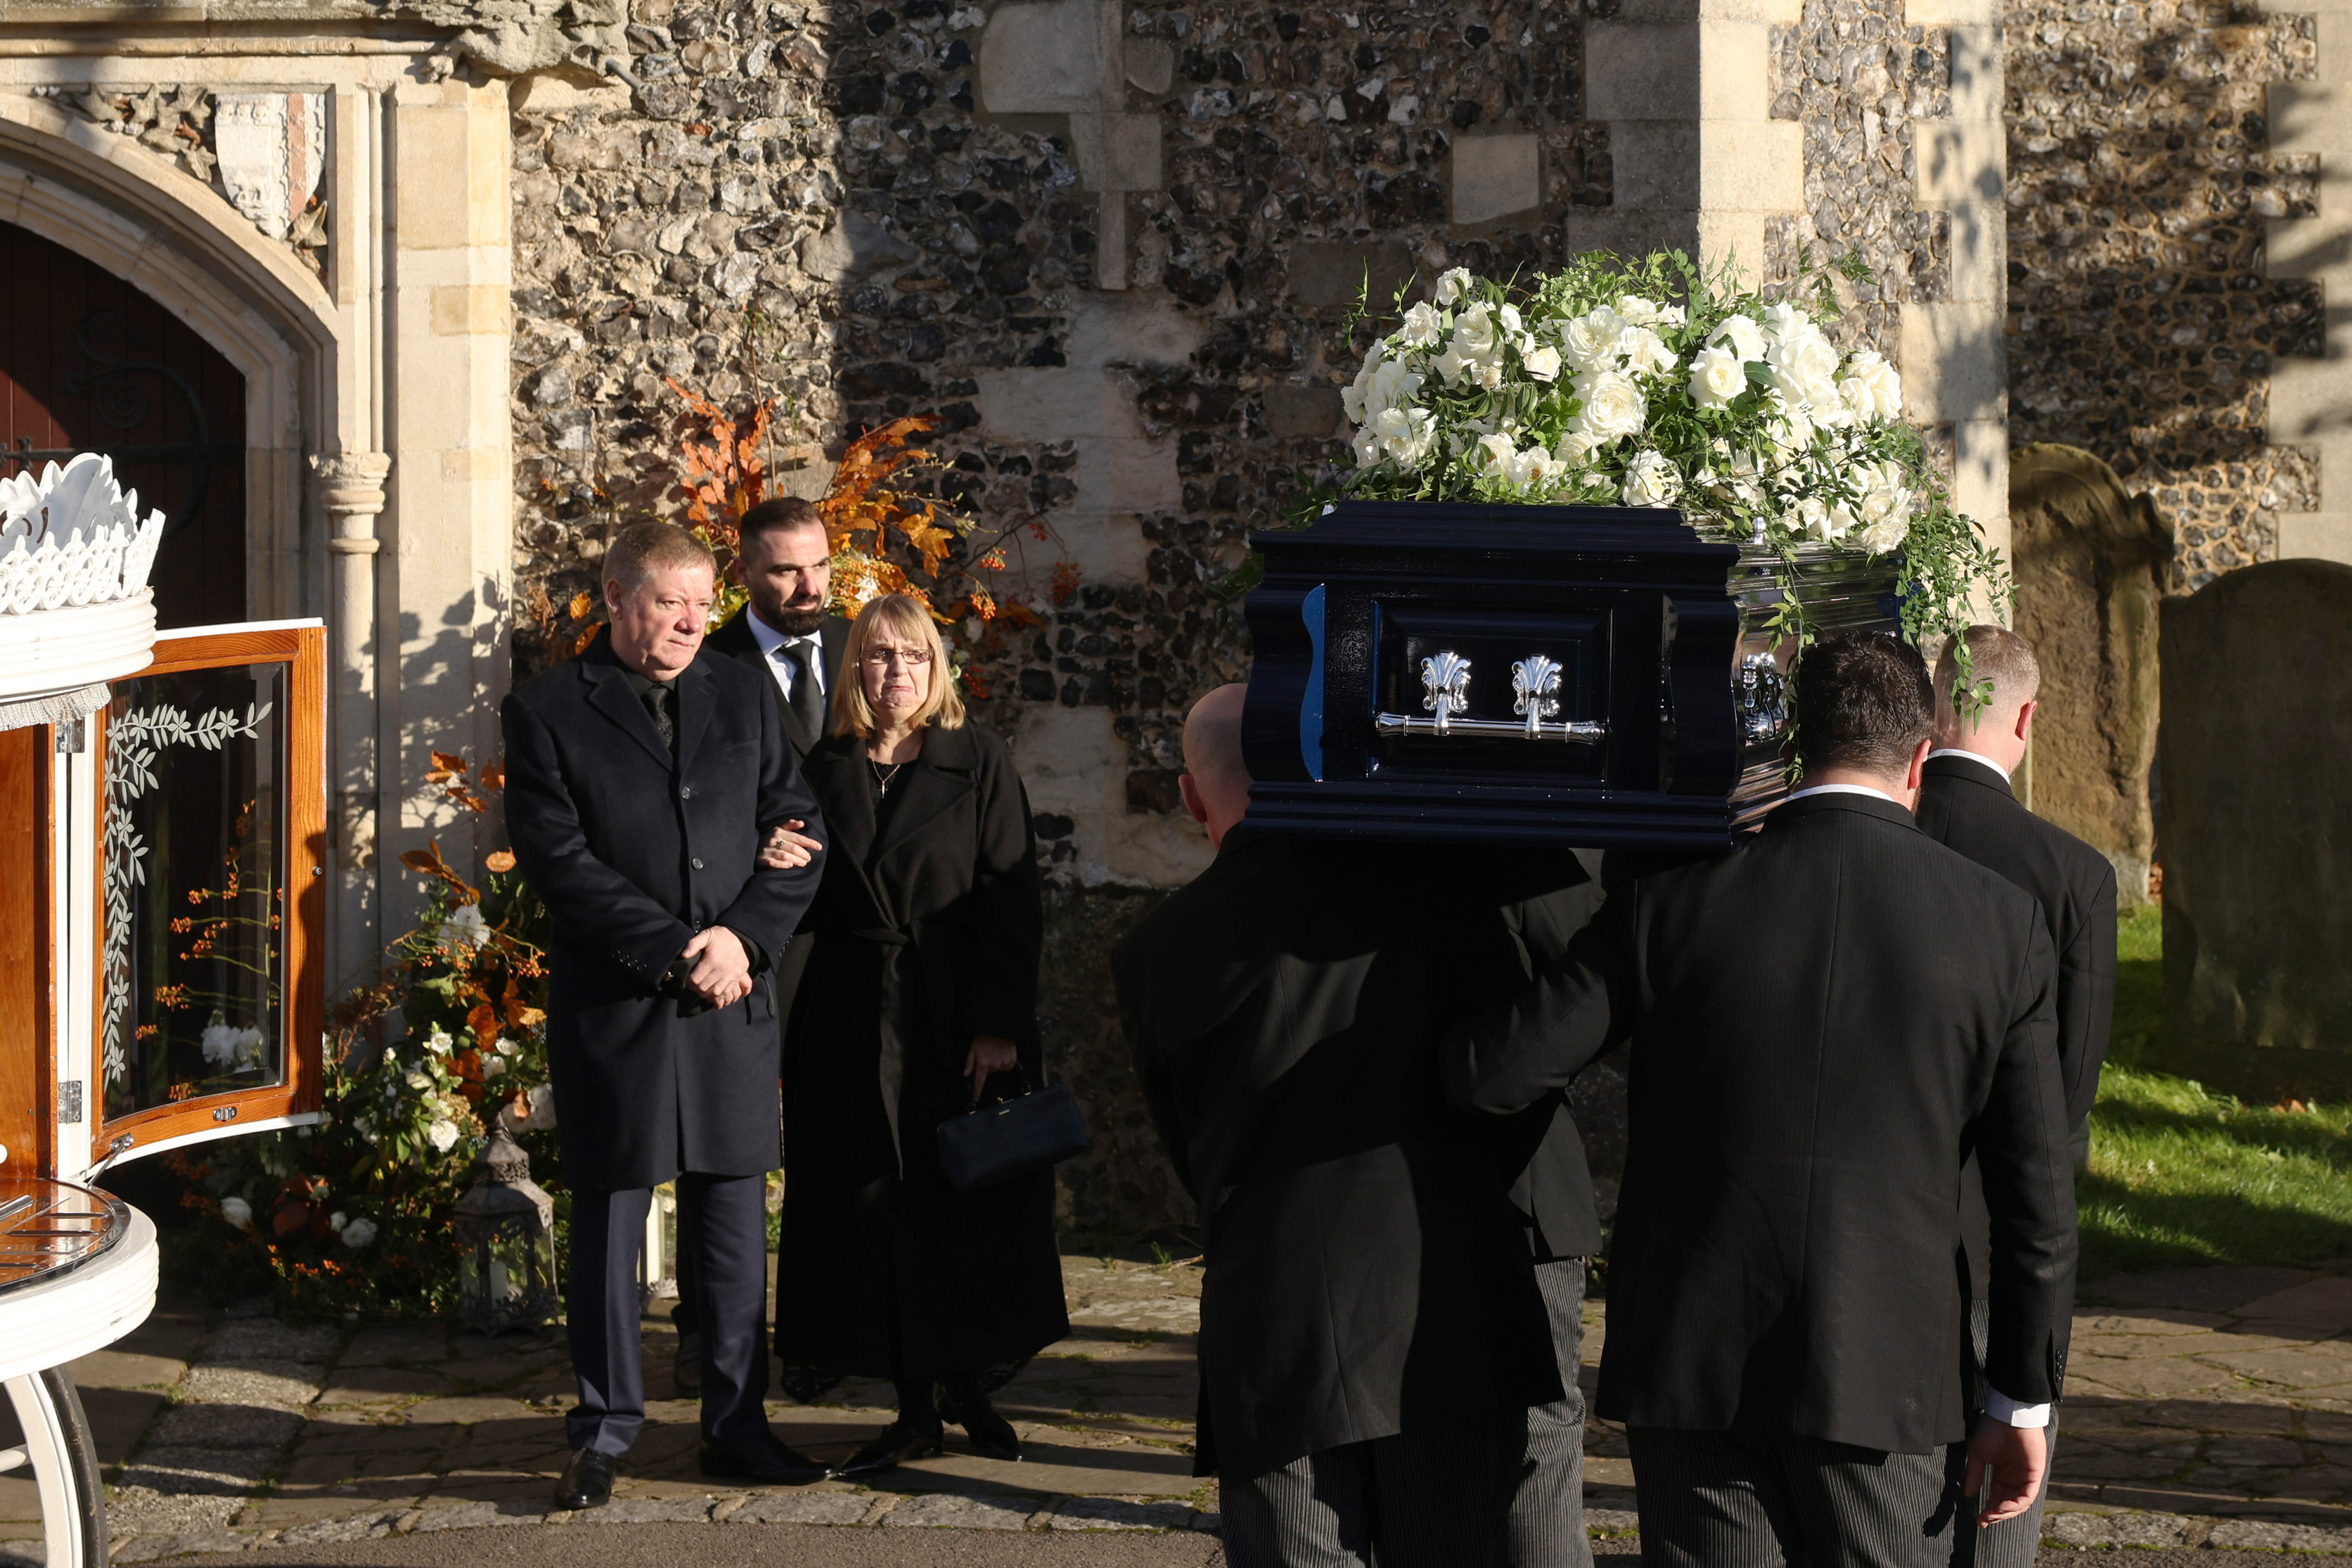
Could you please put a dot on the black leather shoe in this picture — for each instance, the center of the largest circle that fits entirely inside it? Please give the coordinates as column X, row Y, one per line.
column 900, row 1441
column 991, row 1434
column 768, row 1463
column 686, row 1366
column 587, row 1480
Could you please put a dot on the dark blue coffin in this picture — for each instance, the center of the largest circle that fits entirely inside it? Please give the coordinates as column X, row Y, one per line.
column 1597, row 677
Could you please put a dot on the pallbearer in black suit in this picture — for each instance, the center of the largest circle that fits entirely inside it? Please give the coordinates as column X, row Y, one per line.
column 1966, row 801
column 1371, row 1338
column 641, row 779
column 921, row 996
column 788, row 633
column 1825, row 1022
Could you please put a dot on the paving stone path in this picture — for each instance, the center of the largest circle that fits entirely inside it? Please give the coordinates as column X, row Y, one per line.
column 2206, row 1407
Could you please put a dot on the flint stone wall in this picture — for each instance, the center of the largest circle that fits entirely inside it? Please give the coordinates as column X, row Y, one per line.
column 2142, row 325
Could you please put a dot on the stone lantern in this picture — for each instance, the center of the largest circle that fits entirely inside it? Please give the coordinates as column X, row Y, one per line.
column 506, row 1227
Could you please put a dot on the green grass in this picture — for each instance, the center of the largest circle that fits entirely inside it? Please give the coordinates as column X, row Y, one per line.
column 2182, row 1176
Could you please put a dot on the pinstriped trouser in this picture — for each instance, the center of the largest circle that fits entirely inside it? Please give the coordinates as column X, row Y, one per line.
column 1739, row 1500
column 1438, row 1497
column 1546, row 1528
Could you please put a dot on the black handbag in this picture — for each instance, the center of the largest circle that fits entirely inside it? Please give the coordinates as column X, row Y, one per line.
column 1030, row 1132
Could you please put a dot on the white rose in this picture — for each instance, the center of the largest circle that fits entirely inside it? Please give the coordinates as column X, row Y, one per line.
column 1591, row 340
column 442, row 1133
column 1474, row 332
column 1870, row 387
column 494, row 1067
column 439, row 1043
column 1367, row 447
column 358, row 1232
column 1651, row 480
column 418, row 1081
column 1422, row 329
column 1573, row 450
column 1392, row 383
column 1782, row 319
column 1746, row 338
column 238, row 1212
column 1543, row 364
column 1645, row 352
column 1452, row 284
column 1716, row 377
column 1498, row 453
column 1825, row 521
column 1638, row 311
column 1614, row 408
column 1672, row 316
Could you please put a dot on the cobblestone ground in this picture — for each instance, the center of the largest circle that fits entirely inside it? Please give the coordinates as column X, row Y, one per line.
column 2206, row 1407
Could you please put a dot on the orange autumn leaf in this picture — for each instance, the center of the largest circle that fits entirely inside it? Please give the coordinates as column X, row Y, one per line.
column 446, row 765
column 499, row 861
column 428, row 862
column 494, row 773
column 582, row 603
column 483, row 1019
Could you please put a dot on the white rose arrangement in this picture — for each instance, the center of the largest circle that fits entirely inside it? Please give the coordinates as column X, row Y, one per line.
column 1655, row 383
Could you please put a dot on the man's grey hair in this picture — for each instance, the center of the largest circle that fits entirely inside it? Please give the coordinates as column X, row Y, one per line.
column 1997, row 654
column 644, row 548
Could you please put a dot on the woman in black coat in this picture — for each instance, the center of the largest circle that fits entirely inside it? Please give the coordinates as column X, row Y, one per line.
column 920, row 999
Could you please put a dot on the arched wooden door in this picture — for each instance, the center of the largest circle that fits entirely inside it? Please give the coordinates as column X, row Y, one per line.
column 89, row 364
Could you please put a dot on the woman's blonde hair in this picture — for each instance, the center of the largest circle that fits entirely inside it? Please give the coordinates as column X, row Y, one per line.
column 905, row 614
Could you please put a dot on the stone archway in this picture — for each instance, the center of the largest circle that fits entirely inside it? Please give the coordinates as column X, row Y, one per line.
column 2090, row 559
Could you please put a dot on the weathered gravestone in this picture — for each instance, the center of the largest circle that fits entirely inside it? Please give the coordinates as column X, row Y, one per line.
column 2090, row 563
column 2254, row 791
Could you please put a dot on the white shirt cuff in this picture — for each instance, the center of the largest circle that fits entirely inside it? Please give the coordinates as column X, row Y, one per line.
column 2009, row 1412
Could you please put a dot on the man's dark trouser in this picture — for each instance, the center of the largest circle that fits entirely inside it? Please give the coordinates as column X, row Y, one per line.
column 1433, row 1498
column 723, row 1227
column 1737, row 1499
column 2014, row 1543
column 1546, row 1528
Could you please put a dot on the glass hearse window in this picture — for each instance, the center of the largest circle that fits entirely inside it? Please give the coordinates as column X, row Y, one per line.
column 193, row 960
column 210, row 886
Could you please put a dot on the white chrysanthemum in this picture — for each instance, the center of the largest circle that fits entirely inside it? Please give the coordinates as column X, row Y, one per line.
column 442, row 1133
column 1871, row 388
column 1652, row 481
column 1613, row 407
column 238, row 1212
column 1424, row 328
column 1452, row 285
column 1542, row 363
column 358, row 1232
column 1717, row 376
column 1646, row 352
column 1746, row 338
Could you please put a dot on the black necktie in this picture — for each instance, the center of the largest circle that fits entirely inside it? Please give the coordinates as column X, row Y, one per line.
column 657, row 704
column 807, row 700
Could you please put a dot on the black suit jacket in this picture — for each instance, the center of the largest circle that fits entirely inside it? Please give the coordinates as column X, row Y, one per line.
column 1365, row 1274
column 1823, row 1022
column 634, row 850
column 1970, row 809
column 734, row 639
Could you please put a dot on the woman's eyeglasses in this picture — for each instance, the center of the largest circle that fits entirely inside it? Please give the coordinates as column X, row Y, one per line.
column 912, row 658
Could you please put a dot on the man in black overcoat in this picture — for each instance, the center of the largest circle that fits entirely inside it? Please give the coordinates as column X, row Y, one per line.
column 786, row 633
column 1371, row 1338
column 641, row 779
column 1966, row 803
column 1826, row 1022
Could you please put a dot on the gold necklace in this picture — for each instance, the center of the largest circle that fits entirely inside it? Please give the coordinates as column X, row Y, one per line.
column 883, row 781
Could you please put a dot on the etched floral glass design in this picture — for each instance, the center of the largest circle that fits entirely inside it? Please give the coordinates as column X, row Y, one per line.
column 194, row 955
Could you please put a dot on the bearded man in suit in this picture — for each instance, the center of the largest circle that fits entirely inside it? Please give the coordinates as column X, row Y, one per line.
column 789, row 634
column 1982, row 726
column 1826, row 1022
column 642, row 779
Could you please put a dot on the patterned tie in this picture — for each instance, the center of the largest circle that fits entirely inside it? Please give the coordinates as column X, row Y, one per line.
column 807, row 700
column 657, row 704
